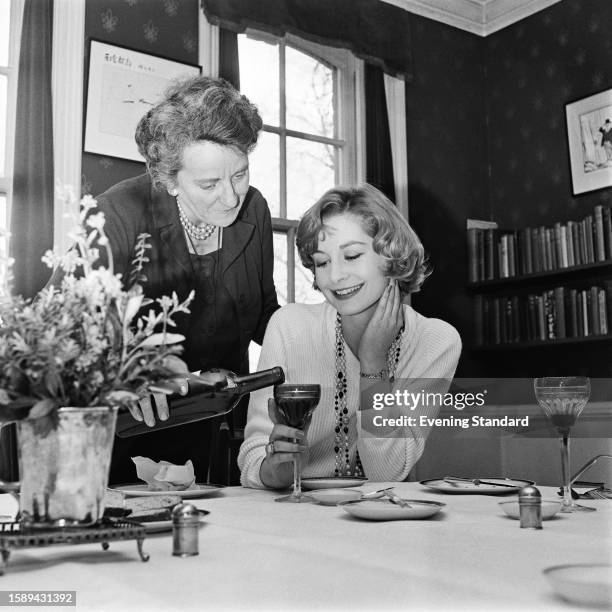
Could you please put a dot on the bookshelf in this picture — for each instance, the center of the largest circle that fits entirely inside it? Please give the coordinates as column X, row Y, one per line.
column 541, row 287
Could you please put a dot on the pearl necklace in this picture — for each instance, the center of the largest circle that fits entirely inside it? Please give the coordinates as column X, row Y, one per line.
column 197, row 232
column 341, row 436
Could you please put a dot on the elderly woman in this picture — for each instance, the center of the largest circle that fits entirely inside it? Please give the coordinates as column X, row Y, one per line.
column 361, row 340
column 209, row 232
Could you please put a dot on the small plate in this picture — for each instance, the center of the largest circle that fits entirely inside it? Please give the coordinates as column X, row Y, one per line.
column 142, row 490
column 441, row 485
column 583, row 584
column 385, row 510
column 339, row 482
column 331, row 497
column 159, row 526
column 549, row 508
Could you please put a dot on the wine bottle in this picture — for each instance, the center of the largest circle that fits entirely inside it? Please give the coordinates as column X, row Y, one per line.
column 208, row 396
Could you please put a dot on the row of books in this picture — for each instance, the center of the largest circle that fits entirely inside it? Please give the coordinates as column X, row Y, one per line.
column 559, row 313
column 495, row 253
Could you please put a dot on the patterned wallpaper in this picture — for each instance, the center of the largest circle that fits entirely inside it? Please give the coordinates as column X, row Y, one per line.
column 163, row 27
column 533, row 69
column 446, row 159
column 487, row 139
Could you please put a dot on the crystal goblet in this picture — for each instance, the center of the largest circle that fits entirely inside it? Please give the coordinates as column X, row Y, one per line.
column 563, row 398
column 294, row 405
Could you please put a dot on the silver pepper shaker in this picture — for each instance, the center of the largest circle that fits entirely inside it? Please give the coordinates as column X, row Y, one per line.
column 185, row 527
column 530, row 508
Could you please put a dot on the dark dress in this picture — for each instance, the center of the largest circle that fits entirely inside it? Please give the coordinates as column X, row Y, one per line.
column 235, row 298
column 213, row 329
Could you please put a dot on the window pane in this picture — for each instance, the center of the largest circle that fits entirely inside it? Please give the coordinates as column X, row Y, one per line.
column 310, row 94
column 280, row 266
column 259, row 76
column 3, row 89
column 264, row 169
column 304, row 292
column 5, row 21
column 310, row 172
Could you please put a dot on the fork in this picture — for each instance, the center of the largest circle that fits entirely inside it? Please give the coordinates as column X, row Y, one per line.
column 597, row 494
column 393, row 498
column 376, row 494
column 396, row 499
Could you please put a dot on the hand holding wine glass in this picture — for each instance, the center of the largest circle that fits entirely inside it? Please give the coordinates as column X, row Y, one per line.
column 291, row 411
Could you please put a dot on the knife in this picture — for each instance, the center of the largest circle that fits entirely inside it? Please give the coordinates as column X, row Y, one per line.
column 477, row 482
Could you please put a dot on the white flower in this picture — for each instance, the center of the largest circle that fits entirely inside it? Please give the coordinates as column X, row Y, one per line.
column 96, row 221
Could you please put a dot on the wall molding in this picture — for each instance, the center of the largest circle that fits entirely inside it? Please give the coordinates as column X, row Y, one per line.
column 481, row 17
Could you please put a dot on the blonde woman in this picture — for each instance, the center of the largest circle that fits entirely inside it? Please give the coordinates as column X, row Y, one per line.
column 365, row 258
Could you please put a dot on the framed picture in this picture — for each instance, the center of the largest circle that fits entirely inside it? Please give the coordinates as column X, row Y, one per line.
column 123, row 84
column 589, row 134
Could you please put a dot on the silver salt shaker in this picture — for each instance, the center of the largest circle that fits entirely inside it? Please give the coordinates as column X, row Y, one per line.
column 185, row 527
column 530, row 508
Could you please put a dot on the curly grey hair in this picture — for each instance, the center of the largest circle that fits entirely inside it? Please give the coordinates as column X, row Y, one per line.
column 194, row 110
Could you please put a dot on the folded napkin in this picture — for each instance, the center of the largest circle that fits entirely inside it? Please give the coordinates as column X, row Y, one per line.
column 163, row 475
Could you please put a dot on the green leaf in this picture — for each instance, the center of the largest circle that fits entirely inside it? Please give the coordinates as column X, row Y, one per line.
column 175, row 364
column 42, row 408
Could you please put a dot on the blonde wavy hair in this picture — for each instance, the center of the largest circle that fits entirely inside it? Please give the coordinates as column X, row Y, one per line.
column 392, row 237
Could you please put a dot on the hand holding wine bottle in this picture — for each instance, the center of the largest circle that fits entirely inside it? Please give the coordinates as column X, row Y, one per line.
column 194, row 398
column 155, row 407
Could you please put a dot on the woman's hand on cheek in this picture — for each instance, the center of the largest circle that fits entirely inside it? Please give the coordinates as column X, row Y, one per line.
column 382, row 329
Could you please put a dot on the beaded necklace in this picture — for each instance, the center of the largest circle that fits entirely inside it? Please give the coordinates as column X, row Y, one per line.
column 197, row 232
column 341, row 437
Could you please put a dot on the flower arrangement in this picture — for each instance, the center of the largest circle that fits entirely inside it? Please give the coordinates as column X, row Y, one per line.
column 81, row 342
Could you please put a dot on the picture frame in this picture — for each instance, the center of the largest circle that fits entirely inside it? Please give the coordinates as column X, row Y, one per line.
column 589, row 135
column 122, row 85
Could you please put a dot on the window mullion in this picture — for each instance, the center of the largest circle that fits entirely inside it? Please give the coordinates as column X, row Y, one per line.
column 291, row 265
column 282, row 136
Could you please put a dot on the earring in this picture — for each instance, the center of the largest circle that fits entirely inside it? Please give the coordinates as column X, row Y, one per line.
column 173, row 192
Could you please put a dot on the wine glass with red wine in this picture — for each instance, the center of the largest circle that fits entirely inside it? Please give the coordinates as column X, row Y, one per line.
column 563, row 398
column 294, row 405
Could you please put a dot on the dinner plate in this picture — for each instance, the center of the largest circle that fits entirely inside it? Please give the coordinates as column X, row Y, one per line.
column 386, row 510
column 441, row 485
column 331, row 497
column 339, row 482
column 550, row 507
column 584, row 584
column 142, row 490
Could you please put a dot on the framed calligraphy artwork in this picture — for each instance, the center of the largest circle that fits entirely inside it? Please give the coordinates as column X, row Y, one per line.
column 122, row 86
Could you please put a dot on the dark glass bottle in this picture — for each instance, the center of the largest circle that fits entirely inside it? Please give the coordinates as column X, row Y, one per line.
column 204, row 399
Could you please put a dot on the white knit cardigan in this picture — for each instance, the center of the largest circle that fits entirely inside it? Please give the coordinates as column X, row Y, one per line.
column 301, row 339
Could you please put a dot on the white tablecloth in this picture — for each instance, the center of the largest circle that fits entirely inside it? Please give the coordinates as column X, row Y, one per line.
column 258, row 554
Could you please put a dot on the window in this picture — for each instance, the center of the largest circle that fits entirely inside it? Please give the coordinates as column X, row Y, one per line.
column 306, row 95
column 10, row 22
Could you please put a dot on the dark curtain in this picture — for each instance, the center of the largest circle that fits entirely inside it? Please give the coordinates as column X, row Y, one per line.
column 375, row 31
column 379, row 163
column 33, row 184
column 228, row 57
column 32, row 201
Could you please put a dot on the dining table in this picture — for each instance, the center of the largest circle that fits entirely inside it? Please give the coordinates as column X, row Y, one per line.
column 255, row 554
